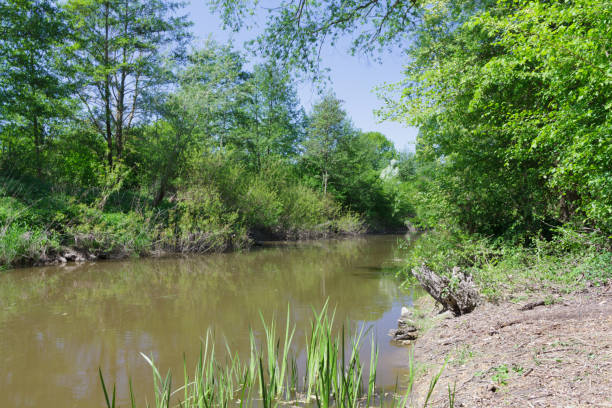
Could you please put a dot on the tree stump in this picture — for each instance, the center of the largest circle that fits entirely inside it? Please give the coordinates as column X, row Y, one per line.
column 457, row 293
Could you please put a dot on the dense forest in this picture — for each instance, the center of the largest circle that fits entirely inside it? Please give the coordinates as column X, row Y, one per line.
column 119, row 136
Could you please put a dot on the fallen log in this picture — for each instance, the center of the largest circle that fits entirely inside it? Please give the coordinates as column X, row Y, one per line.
column 457, row 293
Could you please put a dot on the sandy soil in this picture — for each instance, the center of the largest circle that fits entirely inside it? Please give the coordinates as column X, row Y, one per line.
column 557, row 355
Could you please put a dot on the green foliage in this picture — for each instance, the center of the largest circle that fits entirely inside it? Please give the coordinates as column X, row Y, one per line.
column 512, row 115
column 110, row 233
column 334, row 373
column 22, row 244
column 33, row 93
column 571, row 260
column 200, row 222
column 502, row 375
column 117, row 57
column 349, row 165
column 272, row 201
column 117, row 140
column 297, row 31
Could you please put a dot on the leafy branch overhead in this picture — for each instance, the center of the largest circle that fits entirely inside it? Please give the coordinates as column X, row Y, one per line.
column 297, row 31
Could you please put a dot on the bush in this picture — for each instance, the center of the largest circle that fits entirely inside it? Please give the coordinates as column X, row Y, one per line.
column 200, row 222
column 110, row 233
column 567, row 262
column 349, row 223
column 21, row 244
column 260, row 206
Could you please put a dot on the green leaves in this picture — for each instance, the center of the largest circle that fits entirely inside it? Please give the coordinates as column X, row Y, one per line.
column 510, row 102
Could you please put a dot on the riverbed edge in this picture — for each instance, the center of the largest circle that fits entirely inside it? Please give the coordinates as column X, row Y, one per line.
column 514, row 352
column 72, row 254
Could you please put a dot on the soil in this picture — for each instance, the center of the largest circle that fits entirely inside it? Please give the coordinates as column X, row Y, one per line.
column 551, row 355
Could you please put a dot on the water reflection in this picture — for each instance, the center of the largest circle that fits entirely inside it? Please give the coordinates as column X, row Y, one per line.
column 59, row 324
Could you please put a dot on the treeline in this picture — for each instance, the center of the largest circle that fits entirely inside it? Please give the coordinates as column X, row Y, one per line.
column 118, row 137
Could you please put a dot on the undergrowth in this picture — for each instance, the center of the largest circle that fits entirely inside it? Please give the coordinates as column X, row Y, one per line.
column 572, row 259
column 41, row 222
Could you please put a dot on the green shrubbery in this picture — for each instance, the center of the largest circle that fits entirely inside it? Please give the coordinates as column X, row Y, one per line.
column 111, row 233
column 569, row 261
column 216, row 211
column 200, row 222
column 22, row 244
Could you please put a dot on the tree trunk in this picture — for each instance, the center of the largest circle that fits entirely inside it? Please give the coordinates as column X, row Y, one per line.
column 37, row 143
column 107, row 95
column 119, row 119
column 457, row 293
column 325, row 177
column 161, row 192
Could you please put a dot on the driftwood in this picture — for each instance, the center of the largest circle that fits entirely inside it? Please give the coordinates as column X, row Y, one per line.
column 457, row 293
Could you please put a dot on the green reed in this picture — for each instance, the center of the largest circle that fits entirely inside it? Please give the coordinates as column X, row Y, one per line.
column 333, row 376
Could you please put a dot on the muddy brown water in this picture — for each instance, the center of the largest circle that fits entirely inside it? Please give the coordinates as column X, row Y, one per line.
column 58, row 325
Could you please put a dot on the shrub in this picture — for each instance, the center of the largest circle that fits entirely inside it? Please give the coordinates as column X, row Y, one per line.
column 260, row 206
column 22, row 244
column 200, row 222
column 110, row 233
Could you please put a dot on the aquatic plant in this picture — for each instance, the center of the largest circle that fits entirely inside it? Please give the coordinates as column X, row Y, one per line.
column 334, row 375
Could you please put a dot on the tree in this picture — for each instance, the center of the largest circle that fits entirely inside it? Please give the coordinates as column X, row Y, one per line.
column 216, row 74
column 328, row 128
column 32, row 88
column 118, row 56
column 195, row 116
column 273, row 117
column 511, row 105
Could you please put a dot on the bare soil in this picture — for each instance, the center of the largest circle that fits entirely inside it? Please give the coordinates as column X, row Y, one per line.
column 556, row 355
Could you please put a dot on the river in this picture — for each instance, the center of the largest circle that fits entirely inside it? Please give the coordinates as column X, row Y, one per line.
column 59, row 325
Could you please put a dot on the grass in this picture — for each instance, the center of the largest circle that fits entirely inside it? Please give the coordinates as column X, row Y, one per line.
column 334, row 374
column 566, row 262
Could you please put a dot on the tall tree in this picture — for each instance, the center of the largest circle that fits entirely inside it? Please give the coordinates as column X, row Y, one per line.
column 198, row 115
column 118, row 54
column 514, row 106
column 328, row 127
column 32, row 89
column 274, row 118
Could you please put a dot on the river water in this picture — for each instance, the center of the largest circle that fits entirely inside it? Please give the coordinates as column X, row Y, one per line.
column 59, row 325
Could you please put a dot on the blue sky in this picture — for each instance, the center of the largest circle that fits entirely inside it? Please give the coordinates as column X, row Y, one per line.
column 353, row 78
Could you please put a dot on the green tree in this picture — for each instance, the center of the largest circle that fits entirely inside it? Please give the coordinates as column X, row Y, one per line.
column 511, row 105
column 33, row 90
column 274, row 119
column 195, row 117
column 328, row 127
column 118, row 54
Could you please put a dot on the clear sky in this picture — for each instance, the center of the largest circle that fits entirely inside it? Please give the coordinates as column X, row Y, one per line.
column 353, row 78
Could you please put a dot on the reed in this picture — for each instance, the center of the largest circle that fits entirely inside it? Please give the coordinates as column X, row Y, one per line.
column 333, row 375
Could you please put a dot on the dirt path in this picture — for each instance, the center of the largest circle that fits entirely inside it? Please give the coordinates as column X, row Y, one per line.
column 557, row 355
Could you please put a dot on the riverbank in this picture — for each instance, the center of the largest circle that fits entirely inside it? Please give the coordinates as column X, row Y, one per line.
column 59, row 255
column 541, row 335
column 42, row 224
column 517, row 354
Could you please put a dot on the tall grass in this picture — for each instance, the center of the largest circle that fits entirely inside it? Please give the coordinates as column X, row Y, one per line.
column 333, row 375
